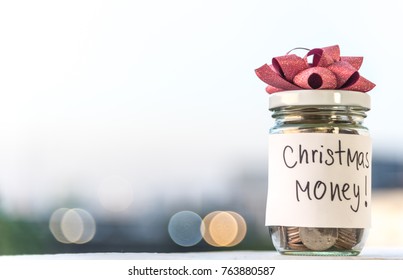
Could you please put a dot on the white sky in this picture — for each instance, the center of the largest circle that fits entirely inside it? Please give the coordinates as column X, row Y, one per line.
column 163, row 93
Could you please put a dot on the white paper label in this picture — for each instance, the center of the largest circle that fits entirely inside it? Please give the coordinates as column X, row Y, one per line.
column 319, row 180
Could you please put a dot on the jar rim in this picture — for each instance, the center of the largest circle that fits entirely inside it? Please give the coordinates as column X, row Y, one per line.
column 319, row 97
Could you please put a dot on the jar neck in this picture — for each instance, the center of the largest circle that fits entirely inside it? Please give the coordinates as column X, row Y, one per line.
column 354, row 115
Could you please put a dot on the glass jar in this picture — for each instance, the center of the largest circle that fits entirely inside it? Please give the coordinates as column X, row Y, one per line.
column 319, row 192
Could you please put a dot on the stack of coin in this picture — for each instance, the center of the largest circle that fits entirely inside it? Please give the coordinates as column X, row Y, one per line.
column 293, row 239
column 347, row 238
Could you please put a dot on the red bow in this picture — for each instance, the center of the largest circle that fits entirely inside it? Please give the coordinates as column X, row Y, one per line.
column 328, row 70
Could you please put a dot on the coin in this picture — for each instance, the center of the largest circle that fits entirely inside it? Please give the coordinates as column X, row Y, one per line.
column 347, row 238
column 318, row 239
column 293, row 235
column 297, row 247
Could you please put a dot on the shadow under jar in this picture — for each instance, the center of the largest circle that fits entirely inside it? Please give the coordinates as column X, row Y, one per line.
column 319, row 191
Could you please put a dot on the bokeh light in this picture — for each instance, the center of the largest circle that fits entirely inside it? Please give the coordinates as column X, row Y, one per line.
column 223, row 228
column 72, row 225
column 55, row 225
column 89, row 226
column 115, row 193
column 184, row 228
column 241, row 229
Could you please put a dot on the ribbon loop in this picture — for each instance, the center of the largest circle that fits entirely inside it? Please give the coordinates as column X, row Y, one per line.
column 355, row 61
column 333, row 52
column 289, row 65
column 268, row 75
column 316, row 78
column 320, row 58
column 328, row 70
column 344, row 72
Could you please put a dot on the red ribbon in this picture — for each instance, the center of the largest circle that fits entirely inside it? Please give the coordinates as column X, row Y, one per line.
column 328, row 70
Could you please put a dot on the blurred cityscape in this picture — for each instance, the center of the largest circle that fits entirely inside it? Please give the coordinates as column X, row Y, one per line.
column 76, row 227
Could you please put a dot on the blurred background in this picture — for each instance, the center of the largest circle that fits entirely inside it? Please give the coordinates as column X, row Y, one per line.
column 124, row 124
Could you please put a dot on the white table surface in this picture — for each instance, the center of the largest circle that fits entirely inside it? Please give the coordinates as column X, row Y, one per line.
column 366, row 254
